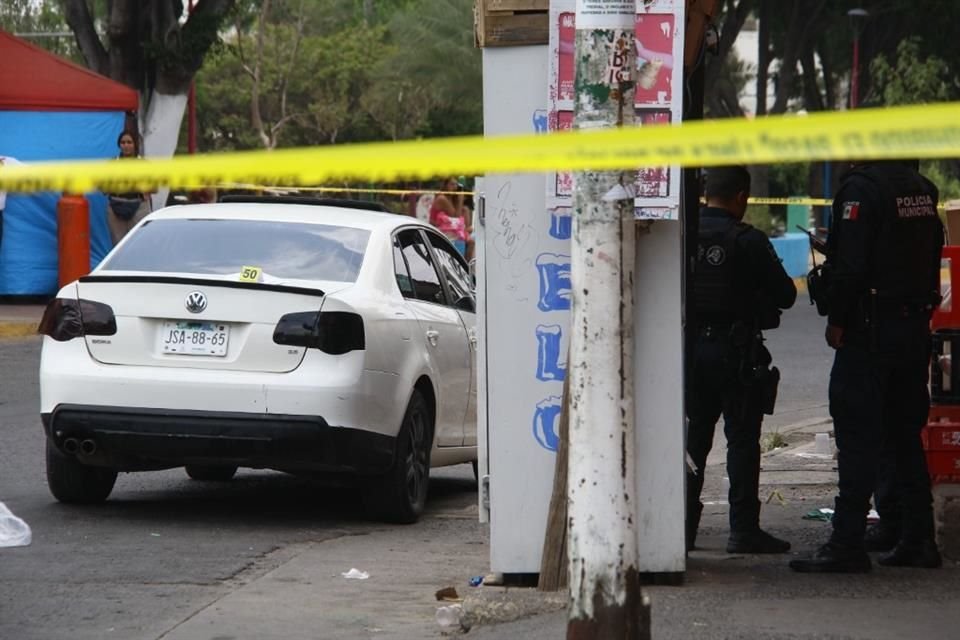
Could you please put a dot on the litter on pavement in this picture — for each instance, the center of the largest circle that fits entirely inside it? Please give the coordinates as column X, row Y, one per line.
column 449, row 616
column 826, row 513
column 14, row 532
column 448, row 594
column 355, row 574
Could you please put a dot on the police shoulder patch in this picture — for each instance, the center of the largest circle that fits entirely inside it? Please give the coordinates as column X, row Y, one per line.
column 851, row 211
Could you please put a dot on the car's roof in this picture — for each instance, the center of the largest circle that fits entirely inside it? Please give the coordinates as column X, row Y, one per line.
column 284, row 212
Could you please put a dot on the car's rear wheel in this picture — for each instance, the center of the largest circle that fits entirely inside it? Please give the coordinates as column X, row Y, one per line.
column 210, row 472
column 75, row 483
column 400, row 495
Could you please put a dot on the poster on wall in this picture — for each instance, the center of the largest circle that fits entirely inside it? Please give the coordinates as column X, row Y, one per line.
column 658, row 99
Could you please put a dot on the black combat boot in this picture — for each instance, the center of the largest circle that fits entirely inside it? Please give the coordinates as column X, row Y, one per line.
column 880, row 537
column 758, row 541
column 922, row 555
column 833, row 558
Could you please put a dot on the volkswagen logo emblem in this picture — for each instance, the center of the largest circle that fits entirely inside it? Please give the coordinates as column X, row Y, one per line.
column 196, row 302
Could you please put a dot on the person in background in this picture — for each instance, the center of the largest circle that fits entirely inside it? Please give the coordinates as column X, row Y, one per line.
column 468, row 208
column 125, row 210
column 447, row 214
column 205, row 195
column 4, row 161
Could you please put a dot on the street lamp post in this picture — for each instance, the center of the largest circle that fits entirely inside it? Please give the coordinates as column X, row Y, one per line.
column 857, row 18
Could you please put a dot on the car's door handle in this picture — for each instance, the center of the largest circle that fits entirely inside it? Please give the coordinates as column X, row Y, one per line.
column 433, row 336
column 473, row 337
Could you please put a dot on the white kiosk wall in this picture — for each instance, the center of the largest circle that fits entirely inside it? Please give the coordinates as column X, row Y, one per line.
column 523, row 284
column 658, row 394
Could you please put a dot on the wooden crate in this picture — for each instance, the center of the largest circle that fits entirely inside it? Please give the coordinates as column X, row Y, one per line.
column 511, row 23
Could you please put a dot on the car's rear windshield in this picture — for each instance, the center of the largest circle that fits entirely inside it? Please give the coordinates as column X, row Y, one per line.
column 285, row 250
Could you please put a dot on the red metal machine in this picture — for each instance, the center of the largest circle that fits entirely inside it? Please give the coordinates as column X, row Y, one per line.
column 941, row 435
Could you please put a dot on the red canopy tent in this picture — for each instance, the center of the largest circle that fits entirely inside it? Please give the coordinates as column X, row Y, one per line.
column 52, row 109
column 32, row 79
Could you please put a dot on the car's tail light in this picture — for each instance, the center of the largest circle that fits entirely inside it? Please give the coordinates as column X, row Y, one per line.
column 65, row 319
column 333, row 332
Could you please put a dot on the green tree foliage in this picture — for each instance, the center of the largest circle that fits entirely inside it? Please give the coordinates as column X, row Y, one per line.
column 40, row 23
column 343, row 73
column 435, row 52
column 364, row 70
column 909, row 77
column 912, row 77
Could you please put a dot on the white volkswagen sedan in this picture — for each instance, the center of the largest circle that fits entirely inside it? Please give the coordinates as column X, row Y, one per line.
column 313, row 337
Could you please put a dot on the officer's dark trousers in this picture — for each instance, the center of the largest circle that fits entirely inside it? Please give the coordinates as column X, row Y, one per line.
column 886, row 495
column 715, row 389
column 879, row 403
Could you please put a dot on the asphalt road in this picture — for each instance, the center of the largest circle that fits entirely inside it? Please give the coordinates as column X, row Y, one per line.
column 167, row 555
column 804, row 359
column 163, row 547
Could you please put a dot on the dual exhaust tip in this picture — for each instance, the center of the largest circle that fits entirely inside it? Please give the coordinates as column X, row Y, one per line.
column 73, row 446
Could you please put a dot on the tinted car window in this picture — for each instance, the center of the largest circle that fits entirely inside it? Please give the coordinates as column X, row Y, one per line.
column 298, row 251
column 402, row 273
column 426, row 282
column 454, row 272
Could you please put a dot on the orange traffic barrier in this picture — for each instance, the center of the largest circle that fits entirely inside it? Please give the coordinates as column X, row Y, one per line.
column 73, row 237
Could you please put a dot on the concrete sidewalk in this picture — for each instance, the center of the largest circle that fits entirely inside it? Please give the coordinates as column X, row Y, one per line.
column 740, row 596
column 724, row 596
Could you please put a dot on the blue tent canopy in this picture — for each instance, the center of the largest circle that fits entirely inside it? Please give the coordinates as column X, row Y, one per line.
column 28, row 250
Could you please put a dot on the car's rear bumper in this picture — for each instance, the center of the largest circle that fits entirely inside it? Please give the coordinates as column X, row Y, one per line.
column 344, row 392
column 130, row 439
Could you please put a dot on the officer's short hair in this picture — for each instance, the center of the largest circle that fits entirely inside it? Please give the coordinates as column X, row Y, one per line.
column 727, row 182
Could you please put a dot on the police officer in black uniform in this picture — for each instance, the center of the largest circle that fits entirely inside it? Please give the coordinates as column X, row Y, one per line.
column 883, row 257
column 739, row 287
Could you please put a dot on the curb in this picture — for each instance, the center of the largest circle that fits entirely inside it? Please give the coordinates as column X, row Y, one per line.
column 18, row 329
column 493, row 605
column 801, row 284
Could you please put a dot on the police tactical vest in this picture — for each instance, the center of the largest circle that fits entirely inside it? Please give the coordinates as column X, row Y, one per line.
column 717, row 292
column 907, row 248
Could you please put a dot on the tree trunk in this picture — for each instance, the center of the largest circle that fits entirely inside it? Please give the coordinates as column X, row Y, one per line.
column 163, row 79
column 126, row 27
column 80, row 22
column 763, row 55
column 722, row 101
column 803, row 19
column 161, row 131
column 812, row 99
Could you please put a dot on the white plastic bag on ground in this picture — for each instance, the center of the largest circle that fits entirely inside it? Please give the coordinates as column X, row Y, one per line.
column 14, row 532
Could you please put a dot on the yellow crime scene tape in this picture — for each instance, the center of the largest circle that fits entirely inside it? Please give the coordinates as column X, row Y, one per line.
column 272, row 188
column 929, row 131
column 814, row 202
column 800, row 200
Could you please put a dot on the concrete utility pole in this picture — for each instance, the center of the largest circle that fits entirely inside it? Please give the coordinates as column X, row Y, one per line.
column 606, row 600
